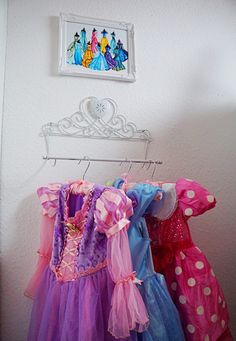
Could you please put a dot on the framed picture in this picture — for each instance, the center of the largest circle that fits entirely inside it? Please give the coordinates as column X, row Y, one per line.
column 96, row 48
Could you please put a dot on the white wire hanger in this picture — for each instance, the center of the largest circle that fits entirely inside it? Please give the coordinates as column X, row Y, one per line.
column 97, row 119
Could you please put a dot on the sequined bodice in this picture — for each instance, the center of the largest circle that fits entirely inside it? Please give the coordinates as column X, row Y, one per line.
column 167, row 237
column 172, row 230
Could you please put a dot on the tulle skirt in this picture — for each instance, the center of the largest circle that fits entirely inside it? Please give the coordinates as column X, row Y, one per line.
column 72, row 311
column 165, row 323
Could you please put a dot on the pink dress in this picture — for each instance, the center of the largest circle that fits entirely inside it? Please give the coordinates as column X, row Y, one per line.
column 190, row 278
column 84, row 288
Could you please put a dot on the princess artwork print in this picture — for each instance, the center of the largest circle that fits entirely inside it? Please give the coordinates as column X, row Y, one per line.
column 98, row 50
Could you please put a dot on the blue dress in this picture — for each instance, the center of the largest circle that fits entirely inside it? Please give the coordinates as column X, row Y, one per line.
column 113, row 44
column 99, row 62
column 83, row 40
column 164, row 318
column 78, row 54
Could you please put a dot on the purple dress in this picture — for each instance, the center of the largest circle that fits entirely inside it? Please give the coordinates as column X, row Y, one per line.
column 110, row 61
column 73, row 301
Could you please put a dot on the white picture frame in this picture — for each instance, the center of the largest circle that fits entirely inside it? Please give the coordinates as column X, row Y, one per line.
column 77, row 39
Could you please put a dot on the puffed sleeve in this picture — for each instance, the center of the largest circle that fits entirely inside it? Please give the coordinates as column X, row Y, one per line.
column 128, row 311
column 193, row 198
column 48, row 196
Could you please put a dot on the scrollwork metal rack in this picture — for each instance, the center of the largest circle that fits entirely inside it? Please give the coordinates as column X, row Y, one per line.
column 97, row 119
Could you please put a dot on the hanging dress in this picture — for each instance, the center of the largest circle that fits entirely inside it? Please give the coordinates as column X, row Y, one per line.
column 164, row 319
column 94, row 42
column 88, row 56
column 78, row 53
column 84, row 290
column 83, row 40
column 190, row 278
column 99, row 62
column 113, row 43
column 110, row 61
column 119, row 58
column 104, row 43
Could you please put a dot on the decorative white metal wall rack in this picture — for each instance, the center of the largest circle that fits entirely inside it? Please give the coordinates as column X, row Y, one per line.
column 97, row 119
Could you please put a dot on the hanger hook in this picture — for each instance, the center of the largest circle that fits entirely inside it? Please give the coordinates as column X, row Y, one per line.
column 130, row 166
column 154, row 169
column 150, row 162
column 87, row 168
column 123, row 161
column 54, row 163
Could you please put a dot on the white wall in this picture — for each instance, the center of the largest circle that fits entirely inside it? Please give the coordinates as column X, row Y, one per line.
column 3, row 40
column 185, row 94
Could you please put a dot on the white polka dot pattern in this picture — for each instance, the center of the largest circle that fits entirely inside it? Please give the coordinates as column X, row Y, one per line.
column 190, row 194
column 182, row 255
column 190, row 328
column 199, row 265
column 200, row 310
column 182, row 299
column 207, row 291
column 191, row 282
column 210, row 198
column 214, row 318
column 188, row 212
column 178, row 270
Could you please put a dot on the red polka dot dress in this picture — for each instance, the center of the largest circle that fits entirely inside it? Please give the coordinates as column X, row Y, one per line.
column 189, row 276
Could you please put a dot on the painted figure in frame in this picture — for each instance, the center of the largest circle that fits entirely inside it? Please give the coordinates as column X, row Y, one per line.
column 94, row 55
column 113, row 42
column 110, row 61
column 99, row 61
column 94, row 41
column 88, row 56
column 83, row 39
column 104, row 41
column 120, row 56
column 71, row 50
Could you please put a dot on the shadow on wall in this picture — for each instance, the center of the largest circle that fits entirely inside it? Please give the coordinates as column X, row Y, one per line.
column 24, row 227
column 201, row 146
column 54, row 45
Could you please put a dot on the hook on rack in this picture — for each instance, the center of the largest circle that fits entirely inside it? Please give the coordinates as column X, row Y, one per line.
column 54, row 163
column 88, row 165
column 154, row 169
column 130, row 166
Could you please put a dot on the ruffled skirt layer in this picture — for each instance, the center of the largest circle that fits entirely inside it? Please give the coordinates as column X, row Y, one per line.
column 165, row 323
column 72, row 311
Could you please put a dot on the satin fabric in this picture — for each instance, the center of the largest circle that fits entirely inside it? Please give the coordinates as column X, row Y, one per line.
column 164, row 319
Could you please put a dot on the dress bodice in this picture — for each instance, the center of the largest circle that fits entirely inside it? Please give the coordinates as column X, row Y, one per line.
column 168, row 223
column 77, row 246
column 172, row 230
column 142, row 195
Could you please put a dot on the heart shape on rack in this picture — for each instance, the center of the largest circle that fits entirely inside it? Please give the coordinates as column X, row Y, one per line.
column 101, row 109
